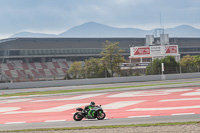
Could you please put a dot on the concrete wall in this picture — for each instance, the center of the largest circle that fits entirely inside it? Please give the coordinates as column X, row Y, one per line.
column 19, row 85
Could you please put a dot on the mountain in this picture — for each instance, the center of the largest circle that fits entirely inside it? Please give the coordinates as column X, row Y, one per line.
column 183, row 31
column 34, row 35
column 92, row 29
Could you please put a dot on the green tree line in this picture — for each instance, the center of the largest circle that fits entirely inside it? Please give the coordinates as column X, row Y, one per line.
column 106, row 66
column 186, row 64
column 111, row 59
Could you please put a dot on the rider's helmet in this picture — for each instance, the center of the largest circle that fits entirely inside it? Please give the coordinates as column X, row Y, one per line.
column 92, row 103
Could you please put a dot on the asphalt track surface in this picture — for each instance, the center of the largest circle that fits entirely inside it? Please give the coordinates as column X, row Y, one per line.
column 109, row 121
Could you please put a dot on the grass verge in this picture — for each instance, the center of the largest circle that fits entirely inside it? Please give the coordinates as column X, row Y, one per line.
column 84, row 90
column 109, row 126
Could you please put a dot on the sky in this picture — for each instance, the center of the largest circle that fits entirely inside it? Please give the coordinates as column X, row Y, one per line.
column 57, row 16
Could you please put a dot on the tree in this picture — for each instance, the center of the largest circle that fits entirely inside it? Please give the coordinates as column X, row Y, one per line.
column 197, row 61
column 149, row 70
column 111, row 57
column 156, row 66
column 76, row 70
column 94, row 68
column 67, row 76
column 170, row 66
column 187, row 63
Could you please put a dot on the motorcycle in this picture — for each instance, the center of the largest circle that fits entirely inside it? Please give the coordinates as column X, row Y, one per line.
column 99, row 114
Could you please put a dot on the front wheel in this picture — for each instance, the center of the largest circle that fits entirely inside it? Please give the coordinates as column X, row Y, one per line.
column 100, row 115
column 77, row 116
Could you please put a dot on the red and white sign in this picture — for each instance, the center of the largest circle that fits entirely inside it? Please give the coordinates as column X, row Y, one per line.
column 141, row 51
column 171, row 49
column 153, row 50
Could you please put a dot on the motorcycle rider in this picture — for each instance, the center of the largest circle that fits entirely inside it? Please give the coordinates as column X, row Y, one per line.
column 89, row 108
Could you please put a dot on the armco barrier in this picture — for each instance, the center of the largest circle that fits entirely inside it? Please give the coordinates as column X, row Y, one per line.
column 18, row 85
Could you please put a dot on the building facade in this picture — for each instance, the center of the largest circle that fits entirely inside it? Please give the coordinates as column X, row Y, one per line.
column 77, row 49
column 51, row 57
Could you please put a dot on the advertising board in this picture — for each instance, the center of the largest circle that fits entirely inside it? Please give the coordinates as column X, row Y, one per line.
column 154, row 50
column 141, row 50
column 171, row 49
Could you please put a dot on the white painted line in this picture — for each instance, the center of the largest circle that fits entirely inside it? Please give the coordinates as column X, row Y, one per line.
column 191, row 94
column 55, row 120
column 121, row 104
column 14, row 100
column 139, row 116
column 138, row 94
column 148, row 93
column 183, row 99
column 15, row 122
column 72, row 98
column 167, row 108
column 6, row 109
column 177, row 90
column 54, row 109
column 14, row 96
column 184, row 114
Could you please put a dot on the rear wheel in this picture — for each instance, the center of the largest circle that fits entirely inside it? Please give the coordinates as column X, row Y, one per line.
column 101, row 115
column 77, row 116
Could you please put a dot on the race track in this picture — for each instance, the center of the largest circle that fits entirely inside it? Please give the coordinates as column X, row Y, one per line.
column 121, row 107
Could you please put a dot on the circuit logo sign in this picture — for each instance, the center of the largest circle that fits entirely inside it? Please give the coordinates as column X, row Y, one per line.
column 171, row 49
column 141, row 51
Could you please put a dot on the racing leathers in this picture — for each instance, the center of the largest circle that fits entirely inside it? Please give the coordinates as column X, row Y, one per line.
column 89, row 111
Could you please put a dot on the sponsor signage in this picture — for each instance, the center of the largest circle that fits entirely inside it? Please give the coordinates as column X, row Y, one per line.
column 171, row 49
column 154, row 50
column 141, row 51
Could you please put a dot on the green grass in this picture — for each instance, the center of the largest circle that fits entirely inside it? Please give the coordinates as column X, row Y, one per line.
column 106, row 127
column 84, row 90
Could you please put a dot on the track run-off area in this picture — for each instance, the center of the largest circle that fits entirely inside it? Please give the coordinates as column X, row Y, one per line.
column 130, row 104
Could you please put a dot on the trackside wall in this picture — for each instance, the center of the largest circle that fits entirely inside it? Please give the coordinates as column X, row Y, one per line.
column 18, row 85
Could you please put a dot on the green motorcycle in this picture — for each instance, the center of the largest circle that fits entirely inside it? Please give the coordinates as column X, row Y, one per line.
column 97, row 112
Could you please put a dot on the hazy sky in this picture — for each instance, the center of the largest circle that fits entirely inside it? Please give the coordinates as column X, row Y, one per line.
column 57, row 16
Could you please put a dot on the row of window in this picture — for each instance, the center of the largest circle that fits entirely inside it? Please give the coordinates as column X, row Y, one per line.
column 53, row 52
column 71, row 51
column 189, row 49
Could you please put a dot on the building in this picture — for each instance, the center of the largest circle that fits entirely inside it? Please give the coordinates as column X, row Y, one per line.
column 36, row 58
column 155, row 48
column 30, row 50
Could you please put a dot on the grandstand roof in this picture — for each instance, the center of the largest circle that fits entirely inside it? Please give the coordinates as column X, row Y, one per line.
column 58, row 43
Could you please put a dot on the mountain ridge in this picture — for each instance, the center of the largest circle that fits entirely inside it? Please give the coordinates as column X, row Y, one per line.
column 93, row 29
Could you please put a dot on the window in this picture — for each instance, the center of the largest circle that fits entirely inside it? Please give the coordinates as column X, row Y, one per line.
column 1, row 53
column 14, row 52
column 29, row 52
